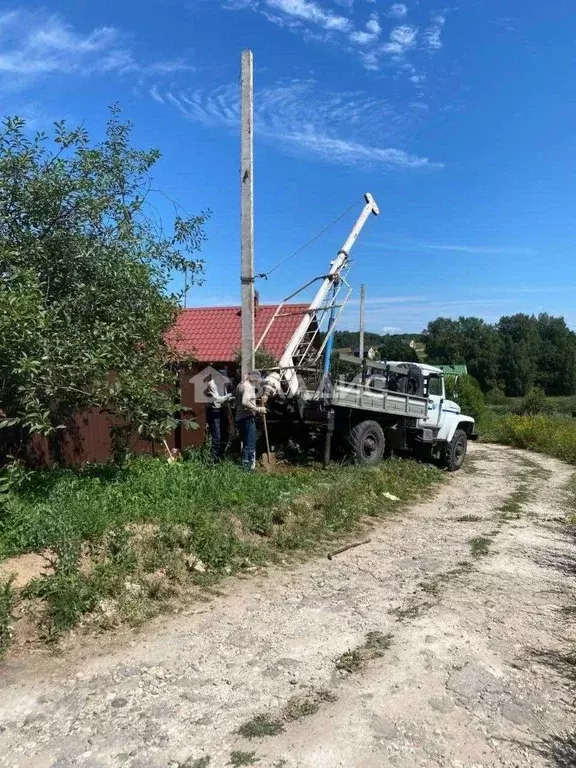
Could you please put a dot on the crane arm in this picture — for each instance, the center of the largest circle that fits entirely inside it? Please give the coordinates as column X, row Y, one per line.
column 286, row 364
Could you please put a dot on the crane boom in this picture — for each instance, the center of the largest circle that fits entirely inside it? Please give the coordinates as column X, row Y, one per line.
column 287, row 364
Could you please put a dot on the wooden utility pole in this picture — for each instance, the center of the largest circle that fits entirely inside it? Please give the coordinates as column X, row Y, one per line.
column 362, row 313
column 247, row 207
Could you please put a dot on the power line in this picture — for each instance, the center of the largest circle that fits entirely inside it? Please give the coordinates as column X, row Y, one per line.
column 313, row 240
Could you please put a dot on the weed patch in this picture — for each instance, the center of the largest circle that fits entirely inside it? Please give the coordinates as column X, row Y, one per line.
column 512, row 507
column 199, row 762
column 469, row 519
column 303, row 706
column 416, row 606
column 260, row 726
column 411, row 610
column 431, row 587
column 239, row 758
column 374, row 646
column 479, row 546
column 6, row 618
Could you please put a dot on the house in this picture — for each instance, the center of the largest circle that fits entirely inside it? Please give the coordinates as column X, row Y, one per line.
column 212, row 335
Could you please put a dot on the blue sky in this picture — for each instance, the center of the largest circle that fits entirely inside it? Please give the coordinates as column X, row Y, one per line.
column 458, row 118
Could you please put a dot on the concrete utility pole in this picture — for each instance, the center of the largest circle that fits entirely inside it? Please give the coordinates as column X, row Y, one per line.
column 247, row 207
column 362, row 313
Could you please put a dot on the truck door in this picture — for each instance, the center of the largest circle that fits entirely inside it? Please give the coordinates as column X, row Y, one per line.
column 435, row 401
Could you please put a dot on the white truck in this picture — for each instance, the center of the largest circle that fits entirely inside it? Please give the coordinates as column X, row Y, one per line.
column 386, row 406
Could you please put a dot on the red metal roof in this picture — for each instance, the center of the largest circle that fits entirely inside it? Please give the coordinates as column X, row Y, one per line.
column 213, row 334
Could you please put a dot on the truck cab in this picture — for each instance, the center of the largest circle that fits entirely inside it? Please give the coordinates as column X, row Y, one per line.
column 444, row 430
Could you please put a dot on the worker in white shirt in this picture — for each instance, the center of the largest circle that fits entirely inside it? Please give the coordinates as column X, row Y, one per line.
column 217, row 415
column 246, row 412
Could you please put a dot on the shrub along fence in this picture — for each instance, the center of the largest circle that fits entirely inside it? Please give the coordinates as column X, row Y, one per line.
column 88, row 438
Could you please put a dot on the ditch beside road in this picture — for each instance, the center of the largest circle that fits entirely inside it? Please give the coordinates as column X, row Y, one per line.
column 446, row 641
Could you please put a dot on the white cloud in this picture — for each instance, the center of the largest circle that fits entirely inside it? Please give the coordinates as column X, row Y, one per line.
column 372, row 33
column 167, row 67
column 156, row 95
column 402, row 39
column 349, row 152
column 308, row 10
column 315, row 21
column 432, row 34
column 488, row 250
column 397, row 11
column 344, row 128
column 470, row 249
column 34, row 45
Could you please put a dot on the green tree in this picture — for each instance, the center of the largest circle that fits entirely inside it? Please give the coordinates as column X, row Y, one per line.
column 519, row 351
column 443, row 339
column 84, row 269
column 556, row 365
column 469, row 341
column 396, row 348
column 480, row 346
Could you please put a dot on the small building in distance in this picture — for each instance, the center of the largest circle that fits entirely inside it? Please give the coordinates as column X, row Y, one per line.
column 453, row 370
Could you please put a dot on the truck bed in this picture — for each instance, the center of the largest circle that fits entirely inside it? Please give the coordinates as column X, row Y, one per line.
column 362, row 397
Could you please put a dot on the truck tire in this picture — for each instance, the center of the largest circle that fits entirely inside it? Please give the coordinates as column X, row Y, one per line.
column 455, row 452
column 367, row 443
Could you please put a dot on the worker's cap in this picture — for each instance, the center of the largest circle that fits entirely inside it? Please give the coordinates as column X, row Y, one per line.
column 255, row 375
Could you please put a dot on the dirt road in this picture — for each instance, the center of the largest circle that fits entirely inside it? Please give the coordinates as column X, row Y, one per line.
column 476, row 589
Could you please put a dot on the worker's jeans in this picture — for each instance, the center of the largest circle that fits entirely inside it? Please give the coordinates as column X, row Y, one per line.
column 247, row 429
column 218, row 425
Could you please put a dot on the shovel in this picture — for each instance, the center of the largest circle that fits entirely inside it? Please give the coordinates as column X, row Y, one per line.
column 268, row 458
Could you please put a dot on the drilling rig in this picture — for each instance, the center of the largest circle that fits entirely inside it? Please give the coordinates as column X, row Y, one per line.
column 389, row 405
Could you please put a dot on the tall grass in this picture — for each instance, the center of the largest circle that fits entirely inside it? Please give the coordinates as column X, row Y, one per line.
column 557, row 405
column 552, row 435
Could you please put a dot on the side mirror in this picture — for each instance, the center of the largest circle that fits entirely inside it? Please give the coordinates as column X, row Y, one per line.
column 456, row 389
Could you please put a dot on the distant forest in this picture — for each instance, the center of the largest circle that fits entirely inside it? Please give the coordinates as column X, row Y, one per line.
column 517, row 353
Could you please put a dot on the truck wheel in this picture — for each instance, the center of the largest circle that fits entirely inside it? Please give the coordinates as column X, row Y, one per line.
column 367, row 443
column 456, row 451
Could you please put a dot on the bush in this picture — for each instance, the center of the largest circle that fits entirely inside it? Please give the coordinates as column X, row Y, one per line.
column 534, row 402
column 471, row 397
column 496, row 396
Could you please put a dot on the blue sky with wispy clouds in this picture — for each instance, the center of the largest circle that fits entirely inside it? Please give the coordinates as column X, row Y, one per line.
column 459, row 119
